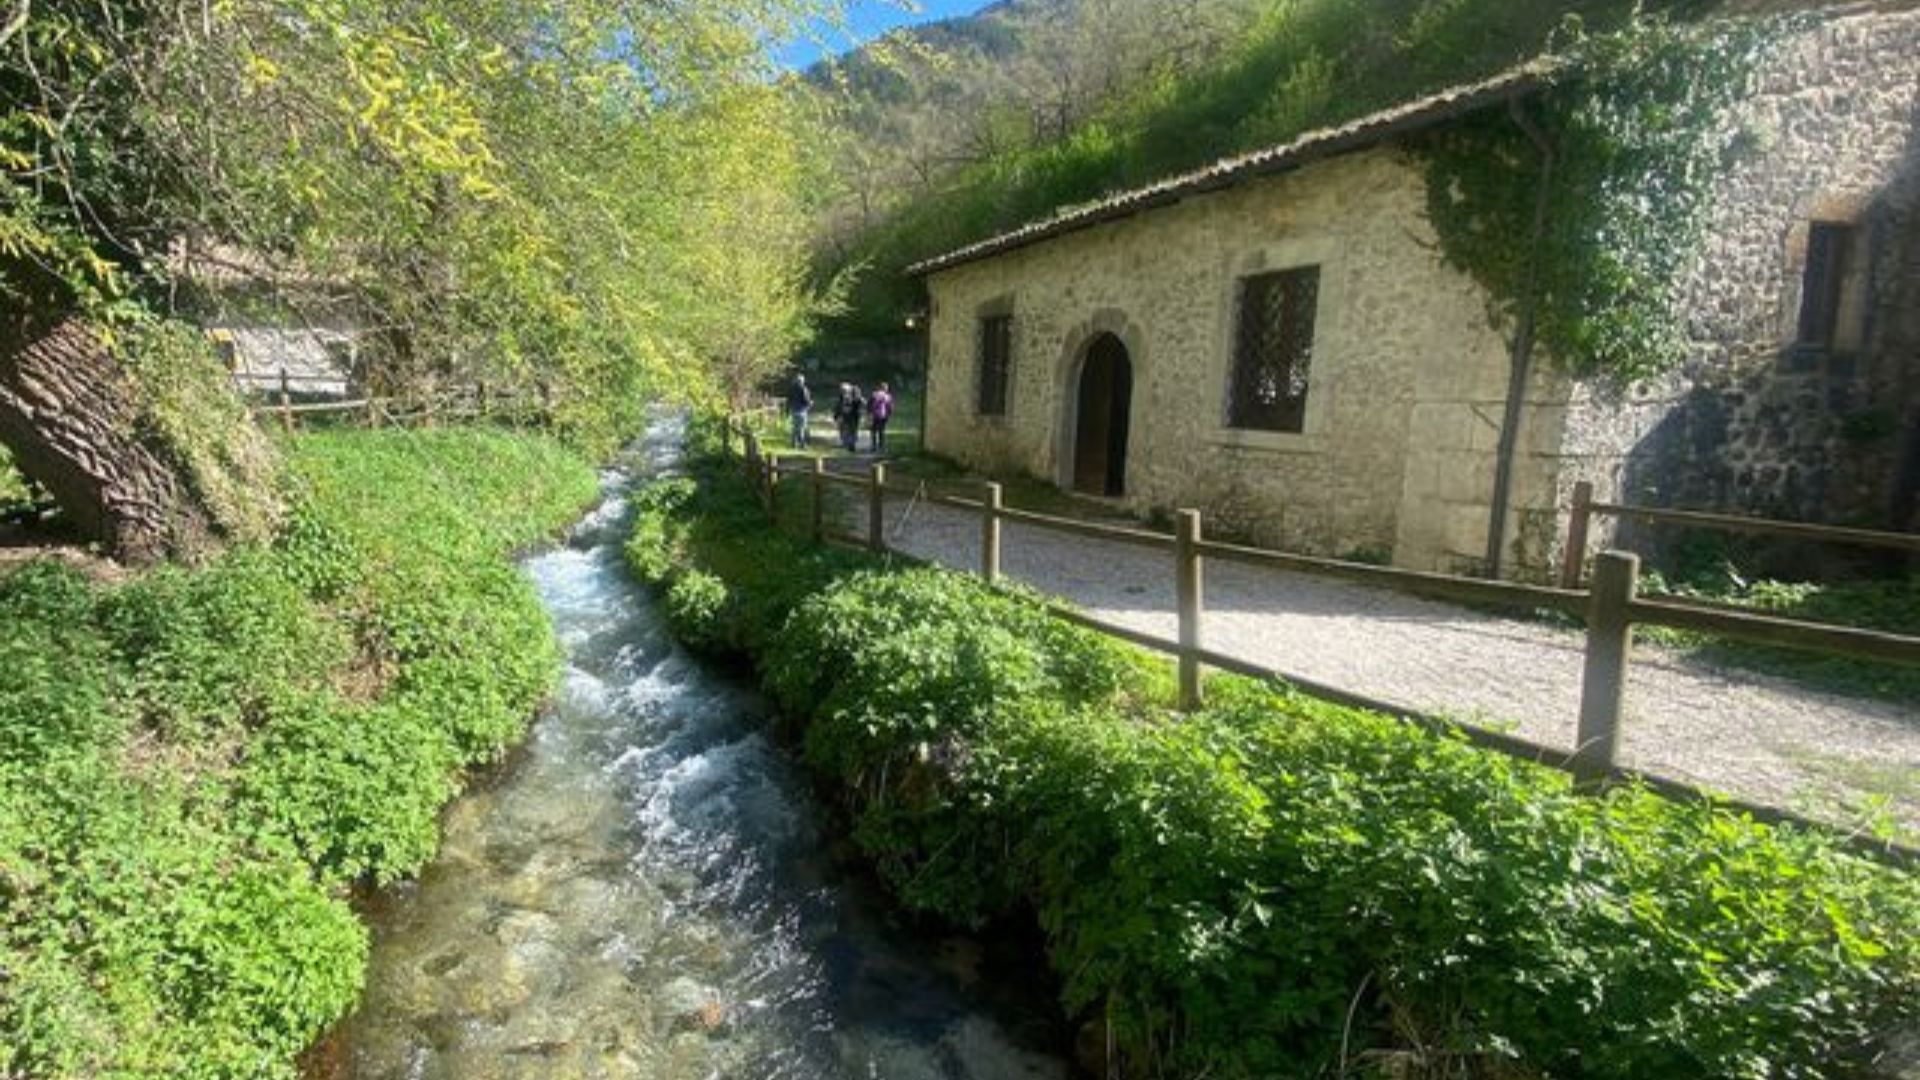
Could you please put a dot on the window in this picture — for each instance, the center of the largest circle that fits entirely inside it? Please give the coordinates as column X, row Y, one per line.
column 996, row 363
column 1273, row 350
column 1820, row 286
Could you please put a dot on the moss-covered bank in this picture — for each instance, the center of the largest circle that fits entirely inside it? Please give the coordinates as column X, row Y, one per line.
column 1275, row 886
column 196, row 765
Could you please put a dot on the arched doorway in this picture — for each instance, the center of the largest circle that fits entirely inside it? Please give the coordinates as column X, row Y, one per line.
column 1105, row 399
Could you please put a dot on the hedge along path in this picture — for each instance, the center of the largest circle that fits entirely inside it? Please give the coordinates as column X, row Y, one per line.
column 1761, row 739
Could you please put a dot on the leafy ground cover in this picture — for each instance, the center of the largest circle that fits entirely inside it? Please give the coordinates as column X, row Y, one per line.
column 1890, row 604
column 197, row 764
column 13, row 487
column 1275, row 886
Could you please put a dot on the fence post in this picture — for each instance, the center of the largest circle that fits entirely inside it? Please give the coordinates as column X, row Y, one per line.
column 286, row 404
column 750, row 455
column 726, row 437
column 819, row 499
column 1187, row 592
column 1574, row 558
column 773, row 483
column 990, row 506
column 1603, row 685
column 877, row 508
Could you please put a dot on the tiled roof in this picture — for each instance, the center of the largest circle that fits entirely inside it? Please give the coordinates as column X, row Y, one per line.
column 1313, row 146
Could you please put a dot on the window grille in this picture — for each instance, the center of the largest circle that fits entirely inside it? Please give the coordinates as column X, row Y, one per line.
column 996, row 363
column 1273, row 350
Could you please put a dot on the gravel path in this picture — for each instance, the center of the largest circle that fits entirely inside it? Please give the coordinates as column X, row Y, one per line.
column 1759, row 738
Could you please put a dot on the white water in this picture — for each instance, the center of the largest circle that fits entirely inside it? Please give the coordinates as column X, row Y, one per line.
column 645, row 893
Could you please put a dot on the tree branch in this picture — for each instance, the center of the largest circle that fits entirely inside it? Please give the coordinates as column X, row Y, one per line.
column 15, row 22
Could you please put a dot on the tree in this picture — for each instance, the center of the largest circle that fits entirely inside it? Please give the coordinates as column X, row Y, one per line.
column 521, row 191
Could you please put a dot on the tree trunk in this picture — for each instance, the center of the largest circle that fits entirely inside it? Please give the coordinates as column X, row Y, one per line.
column 68, row 415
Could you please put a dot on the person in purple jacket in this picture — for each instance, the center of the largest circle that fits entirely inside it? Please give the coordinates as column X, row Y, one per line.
column 879, row 411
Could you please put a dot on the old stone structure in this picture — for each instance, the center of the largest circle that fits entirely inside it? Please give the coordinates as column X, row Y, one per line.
column 1277, row 339
column 1806, row 422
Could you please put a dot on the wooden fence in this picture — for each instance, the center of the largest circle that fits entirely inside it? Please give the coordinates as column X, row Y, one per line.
column 1585, row 508
column 446, row 406
column 1610, row 608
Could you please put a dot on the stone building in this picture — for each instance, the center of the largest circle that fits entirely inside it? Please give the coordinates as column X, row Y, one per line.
column 1277, row 340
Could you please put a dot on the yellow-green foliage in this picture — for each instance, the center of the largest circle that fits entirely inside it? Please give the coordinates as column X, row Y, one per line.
column 1275, row 885
column 196, row 764
column 583, row 200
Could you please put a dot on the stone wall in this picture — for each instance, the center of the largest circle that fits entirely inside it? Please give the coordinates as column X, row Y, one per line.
column 1754, row 424
column 1407, row 377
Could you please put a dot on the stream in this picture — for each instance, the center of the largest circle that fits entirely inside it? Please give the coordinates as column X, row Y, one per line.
column 645, row 890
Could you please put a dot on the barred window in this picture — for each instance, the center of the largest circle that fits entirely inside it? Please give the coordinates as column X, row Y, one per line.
column 1273, row 350
column 996, row 363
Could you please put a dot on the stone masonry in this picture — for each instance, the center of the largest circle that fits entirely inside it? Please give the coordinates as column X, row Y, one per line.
column 1409, row 376
column 1755, row 423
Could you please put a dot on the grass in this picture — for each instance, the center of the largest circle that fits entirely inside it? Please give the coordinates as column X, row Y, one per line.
column 197, row 765
column 1883, row 784
column 1891, row 605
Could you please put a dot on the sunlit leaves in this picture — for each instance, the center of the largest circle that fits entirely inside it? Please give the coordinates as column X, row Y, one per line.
column 1638, row 127
column 593, row 202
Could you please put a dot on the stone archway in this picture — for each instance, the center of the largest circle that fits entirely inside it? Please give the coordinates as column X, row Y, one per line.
column 1103, row 398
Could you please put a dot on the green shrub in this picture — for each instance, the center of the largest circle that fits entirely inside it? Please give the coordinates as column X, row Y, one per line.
column 881, row 660
column 195, row 764
column 696, row 607
column 1255, row 889
column 355, row 789
column 204, row 647
column 767, row 573
column 141, row 939
column 57, row 693
column 14, row 489
column 319, row 556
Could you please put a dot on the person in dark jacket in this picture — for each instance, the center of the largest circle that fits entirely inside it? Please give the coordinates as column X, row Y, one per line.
column 799, row 407
column 846, row 411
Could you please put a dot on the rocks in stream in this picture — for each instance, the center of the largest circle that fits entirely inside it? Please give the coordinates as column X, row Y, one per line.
column 693, row 1007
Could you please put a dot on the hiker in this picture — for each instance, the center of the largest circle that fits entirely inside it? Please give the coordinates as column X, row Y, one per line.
column 799, row 402
column 880, row 409
column 847, row 411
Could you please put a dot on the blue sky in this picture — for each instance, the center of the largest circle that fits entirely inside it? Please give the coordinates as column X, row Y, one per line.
column 868, row 19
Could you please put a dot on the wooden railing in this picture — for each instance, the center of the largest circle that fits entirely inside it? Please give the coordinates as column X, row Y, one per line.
column 464, row 403
column 1585, row 508
column 1610, row 608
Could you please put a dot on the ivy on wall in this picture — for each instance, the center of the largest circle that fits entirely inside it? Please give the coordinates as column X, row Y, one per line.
column 1638, row 125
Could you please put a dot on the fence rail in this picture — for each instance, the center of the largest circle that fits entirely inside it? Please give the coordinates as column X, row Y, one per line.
column 1585, row 508
column 1610, row 607
column 459, row 404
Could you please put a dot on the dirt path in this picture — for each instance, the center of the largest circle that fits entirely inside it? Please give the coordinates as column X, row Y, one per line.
column 1760, row 738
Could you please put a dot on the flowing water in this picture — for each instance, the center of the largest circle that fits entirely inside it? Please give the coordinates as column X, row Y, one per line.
column 644, row 893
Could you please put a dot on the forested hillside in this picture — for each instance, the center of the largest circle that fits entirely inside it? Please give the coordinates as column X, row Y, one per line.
column 961, row 129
